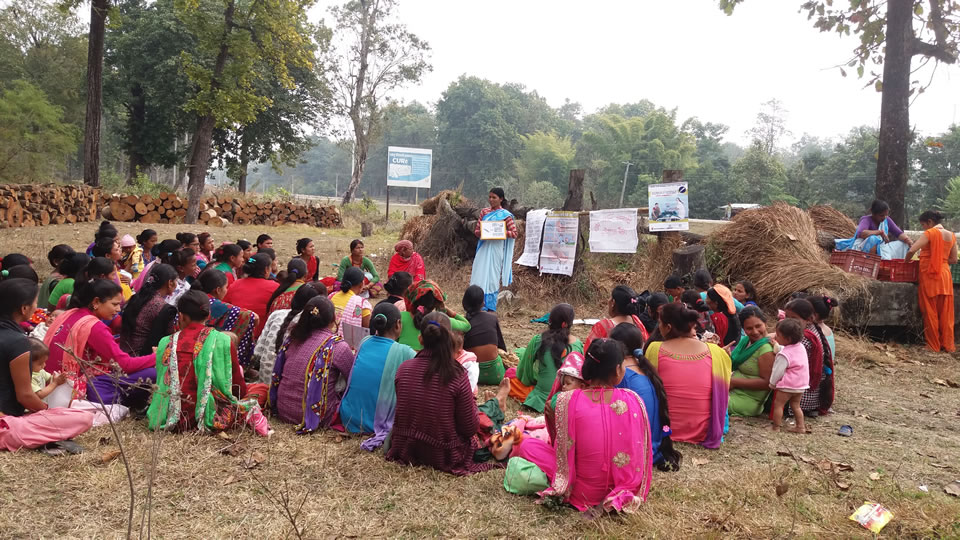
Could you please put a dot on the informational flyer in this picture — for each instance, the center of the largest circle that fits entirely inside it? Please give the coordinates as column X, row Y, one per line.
column 533, row 235
column 559, row 251
column 613, row 231
column 669, row 207
column 493, row 230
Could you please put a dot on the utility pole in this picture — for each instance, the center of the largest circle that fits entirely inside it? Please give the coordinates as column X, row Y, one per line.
column 623, row 189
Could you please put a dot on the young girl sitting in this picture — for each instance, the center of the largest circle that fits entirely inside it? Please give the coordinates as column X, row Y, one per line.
column 468, row 360
column 791, row 375
column 42, row 382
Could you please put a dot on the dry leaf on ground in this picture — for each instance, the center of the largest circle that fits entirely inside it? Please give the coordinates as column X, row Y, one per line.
column 109, row 456
column 953, row 488
column 255, row 459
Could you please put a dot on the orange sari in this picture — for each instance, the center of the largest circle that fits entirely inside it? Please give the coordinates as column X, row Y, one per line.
column 936, row 291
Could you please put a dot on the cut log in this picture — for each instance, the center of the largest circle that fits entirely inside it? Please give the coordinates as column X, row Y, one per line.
column 141, row 208
column 687, row 260
column 122, row 211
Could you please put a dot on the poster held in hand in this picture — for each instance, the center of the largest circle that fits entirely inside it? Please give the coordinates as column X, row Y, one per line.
column 559, row 252
column 354, row 334
column 614, row 231
column 493, row 230
column 669, row 207
column 534, row 233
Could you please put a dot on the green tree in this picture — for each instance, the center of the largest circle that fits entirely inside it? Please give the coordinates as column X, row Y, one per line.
column 770, row 126
column 951, row 204
column 935, row 160
column 542, row 195
column 34, row 140
column 709, row 181
column 410, row 125
column 376, row 56
column 891, row 33
column 545, row 157
column 758, row 177
column 232, row 43
column 651, row 144
column 145, row 80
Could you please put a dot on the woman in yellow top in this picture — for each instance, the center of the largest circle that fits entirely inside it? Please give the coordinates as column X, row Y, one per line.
column 938, row 250
column 351, row 308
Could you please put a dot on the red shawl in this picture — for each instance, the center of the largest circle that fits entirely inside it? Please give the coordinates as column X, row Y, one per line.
column 413, row 266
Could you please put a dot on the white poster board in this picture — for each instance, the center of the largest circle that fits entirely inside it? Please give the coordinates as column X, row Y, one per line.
column 669, row 207
column 533, row 235
column 409, row 167
column 493, row 230
column 614, row 231
column 559, row 251
column 354, row 334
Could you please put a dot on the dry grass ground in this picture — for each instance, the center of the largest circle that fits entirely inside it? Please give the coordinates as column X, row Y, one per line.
column 906, row 421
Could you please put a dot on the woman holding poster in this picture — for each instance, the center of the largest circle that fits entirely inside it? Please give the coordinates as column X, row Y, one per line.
column 493, row 263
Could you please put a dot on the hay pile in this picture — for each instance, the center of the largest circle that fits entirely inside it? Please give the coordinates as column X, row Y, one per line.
column 455, row 198
column 831, row 221
column 416, row 229
column 776, row 248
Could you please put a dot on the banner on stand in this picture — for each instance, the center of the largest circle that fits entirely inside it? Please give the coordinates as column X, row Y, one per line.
column 669, row 207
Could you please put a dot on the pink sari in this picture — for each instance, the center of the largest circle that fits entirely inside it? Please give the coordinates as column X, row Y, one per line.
column 612, row 461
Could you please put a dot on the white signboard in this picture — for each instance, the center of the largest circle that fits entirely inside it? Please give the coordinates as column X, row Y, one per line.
column 533, row 235
column 613, row 231
column 409, row 167
column 669, row 207
column 493, row 230
column 560, row 231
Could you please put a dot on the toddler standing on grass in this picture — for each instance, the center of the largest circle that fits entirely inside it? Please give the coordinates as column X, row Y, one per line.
column 791, row 373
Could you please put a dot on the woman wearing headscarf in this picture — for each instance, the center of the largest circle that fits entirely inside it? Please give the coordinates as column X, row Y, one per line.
column 422, row 299
column 493, row 263
column 407, row 260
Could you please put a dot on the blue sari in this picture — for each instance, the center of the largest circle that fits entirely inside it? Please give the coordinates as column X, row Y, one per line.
column 895, row 249
column 493, row 263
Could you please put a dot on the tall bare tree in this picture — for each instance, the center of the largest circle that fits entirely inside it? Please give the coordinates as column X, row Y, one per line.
column 91, row 129
column 376, row 56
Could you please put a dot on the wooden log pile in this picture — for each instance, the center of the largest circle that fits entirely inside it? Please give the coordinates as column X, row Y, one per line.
column 217, row 211
column 29, row 205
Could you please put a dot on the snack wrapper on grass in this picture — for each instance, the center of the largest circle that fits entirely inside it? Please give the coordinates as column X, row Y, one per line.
column 872, row 516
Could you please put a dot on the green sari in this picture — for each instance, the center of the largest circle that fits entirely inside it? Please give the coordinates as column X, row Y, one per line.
column 216, row 407
column 746, row 365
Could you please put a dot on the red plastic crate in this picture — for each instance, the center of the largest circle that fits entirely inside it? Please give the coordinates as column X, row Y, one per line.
column 899, row 270
column 857, row 262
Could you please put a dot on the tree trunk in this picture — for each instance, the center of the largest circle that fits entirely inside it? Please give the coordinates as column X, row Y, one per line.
column 892, row 166
column 359, row 160
column 179, row 181
column 91, row 128
column 202, row 138
column 244, row 163
column 575, row 191
column 136, row 117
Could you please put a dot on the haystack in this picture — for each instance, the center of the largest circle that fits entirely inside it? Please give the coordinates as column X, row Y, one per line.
column 430, row 206
column 776, row 248
column 831, row 221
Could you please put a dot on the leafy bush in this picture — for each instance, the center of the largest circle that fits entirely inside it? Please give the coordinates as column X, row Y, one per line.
column 542, row 195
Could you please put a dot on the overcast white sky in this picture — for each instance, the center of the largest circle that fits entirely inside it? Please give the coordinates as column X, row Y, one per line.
column 684, row 54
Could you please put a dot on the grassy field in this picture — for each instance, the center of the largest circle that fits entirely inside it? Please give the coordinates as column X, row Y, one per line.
column 899, row 400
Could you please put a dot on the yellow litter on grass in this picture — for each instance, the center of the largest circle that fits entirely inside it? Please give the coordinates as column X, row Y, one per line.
column 872, row 516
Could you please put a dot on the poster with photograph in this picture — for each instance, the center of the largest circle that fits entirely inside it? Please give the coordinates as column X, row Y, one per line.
column 493, row 230
column 614, row 231
column 533, row 235
column 669, row 207
column 559, row 251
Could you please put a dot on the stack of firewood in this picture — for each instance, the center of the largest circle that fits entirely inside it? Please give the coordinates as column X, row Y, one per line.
column 217, row 211
column 28, row 205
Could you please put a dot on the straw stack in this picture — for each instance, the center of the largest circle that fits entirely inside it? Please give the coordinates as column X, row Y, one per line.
column 831, row 221
column 776, row 248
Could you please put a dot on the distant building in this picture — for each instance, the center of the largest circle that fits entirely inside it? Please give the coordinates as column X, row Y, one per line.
column 733, row 209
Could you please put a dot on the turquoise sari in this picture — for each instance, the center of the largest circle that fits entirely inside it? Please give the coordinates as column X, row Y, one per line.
column 493, row 263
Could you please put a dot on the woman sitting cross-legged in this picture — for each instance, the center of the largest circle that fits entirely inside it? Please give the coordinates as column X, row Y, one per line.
column 369, row 401
column 148, row 318
column 624, row 306
column 542, row 357
column 278, row 327
column 199, row 365
column 695, row 375
column 423, row 299
column 752, row 363
column 25, row 419
column 253, row 291
column 311, row 371
column 604, row 455
column 227, row 317
column 437, row 421
column 81, row 330
column 407, row 260
column 371, row 283
column 484, row 338
column 640, row 377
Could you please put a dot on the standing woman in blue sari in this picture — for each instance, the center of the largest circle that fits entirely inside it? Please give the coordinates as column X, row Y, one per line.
column 493, row 263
